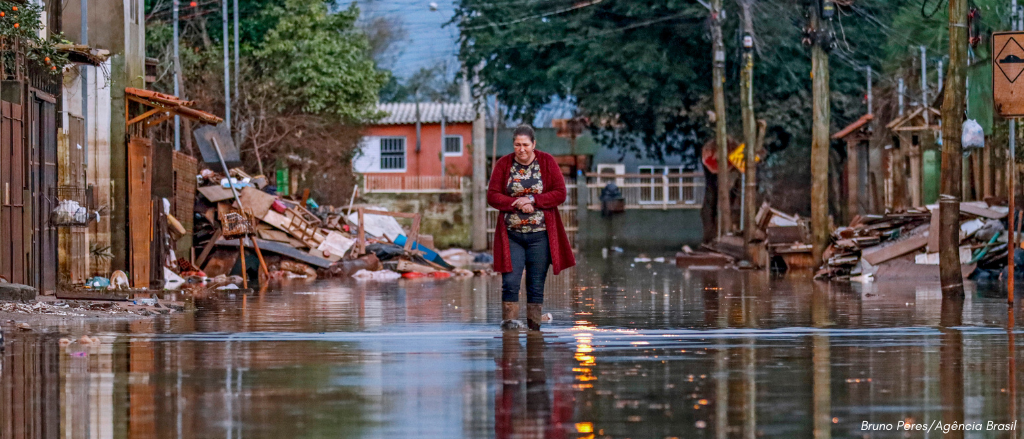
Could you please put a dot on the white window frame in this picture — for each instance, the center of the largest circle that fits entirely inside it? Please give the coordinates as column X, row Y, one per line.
column 444, row 146
column 615, row 168
column 405, row 154
column 654, row 184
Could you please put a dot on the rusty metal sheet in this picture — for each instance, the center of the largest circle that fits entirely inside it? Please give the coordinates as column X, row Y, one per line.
column 12, row 186
column 1008, row 73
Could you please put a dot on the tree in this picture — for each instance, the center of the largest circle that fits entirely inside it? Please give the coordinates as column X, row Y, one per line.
column 642, row 71
column 318, row 63
column 307, row 84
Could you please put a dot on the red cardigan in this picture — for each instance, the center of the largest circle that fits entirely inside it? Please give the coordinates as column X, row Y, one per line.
column 547, row 201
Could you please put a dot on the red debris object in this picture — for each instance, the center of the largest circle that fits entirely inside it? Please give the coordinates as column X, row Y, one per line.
column 412, row 275
column 440, row 274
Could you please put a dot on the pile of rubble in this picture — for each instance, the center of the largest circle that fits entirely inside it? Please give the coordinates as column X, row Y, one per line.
column 297, row 238
column 903, row 245
column 896, row 245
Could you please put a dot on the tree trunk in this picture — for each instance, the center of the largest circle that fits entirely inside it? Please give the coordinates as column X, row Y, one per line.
column 952, row 120
column 819, row 143
column 718, row 79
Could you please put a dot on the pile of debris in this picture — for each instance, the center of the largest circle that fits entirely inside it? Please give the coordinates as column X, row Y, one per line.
column 297, row 238
column 897, row 245
column 903, row 245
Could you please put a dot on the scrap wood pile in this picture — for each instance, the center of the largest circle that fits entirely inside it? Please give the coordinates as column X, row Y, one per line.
column 902, row 245
column 296, row 238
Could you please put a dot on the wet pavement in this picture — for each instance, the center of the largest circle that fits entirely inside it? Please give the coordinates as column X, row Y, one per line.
column 634, row 351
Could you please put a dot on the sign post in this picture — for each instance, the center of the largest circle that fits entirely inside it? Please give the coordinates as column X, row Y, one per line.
column 1008, row 98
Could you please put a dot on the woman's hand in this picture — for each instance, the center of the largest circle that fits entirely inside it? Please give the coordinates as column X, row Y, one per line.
column 522, row 201
column 527, row 208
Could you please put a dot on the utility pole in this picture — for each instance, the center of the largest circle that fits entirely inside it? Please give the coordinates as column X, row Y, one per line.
column 871, row 97
column 235, row 18
column 819, row 134
column 924, row 85
column 1012, row 183
column 444, row 145
column 941, row 74
column 721, row 139
column 900, row 91
column 952, row 125
column 177, row 76
column 479, row 227
column 227, row 66
column 749, row 126
column 494, row 133
column 85, row 81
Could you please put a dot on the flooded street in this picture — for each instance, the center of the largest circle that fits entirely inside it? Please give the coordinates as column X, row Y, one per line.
column 634, row 351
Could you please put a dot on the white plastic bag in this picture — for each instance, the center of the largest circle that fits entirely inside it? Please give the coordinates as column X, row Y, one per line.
column 973, row 135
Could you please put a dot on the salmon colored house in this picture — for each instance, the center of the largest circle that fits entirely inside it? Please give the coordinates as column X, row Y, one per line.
column 390, row 158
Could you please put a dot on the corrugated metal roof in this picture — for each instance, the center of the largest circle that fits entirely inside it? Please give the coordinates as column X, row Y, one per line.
column 404, row 113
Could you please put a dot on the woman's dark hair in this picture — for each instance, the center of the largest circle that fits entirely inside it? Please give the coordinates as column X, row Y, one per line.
column 524, row 130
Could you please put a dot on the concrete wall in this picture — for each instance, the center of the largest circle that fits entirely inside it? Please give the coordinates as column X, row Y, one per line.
column 445, row 216
column 641, row 229
column 117, row 26
column 98, row 131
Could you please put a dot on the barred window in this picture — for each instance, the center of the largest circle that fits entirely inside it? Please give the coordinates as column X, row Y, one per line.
column 392, row 153
column 453, row 145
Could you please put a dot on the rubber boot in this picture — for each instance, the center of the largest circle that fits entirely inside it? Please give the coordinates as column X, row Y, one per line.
column 533, row 316
column 510, row 316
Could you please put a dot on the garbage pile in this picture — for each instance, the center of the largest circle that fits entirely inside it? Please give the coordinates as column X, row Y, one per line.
column 297, row 238
column 902, row 244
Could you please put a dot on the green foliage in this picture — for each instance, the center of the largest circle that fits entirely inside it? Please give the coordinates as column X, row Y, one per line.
column 319, row 62
column 24, row 22
column 645, row 69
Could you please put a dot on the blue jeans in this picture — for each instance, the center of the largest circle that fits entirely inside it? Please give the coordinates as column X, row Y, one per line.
column 529, row 251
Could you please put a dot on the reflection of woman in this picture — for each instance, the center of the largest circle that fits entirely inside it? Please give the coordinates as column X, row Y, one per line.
column 527, row 187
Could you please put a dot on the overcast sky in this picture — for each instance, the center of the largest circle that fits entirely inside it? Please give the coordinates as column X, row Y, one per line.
column 427, row 42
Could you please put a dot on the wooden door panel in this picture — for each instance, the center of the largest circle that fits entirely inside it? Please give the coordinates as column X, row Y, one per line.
column 140, row 209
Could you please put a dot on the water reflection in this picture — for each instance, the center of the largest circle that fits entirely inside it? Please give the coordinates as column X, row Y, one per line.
column 634, row 351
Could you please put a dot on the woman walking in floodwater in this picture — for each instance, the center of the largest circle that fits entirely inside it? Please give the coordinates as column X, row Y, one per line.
column 527, row 187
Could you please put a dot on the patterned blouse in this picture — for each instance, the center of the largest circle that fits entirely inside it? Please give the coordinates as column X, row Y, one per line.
column 525, row 180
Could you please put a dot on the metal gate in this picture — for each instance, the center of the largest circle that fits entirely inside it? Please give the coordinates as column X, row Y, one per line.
column 42, row 179
column 13, row 251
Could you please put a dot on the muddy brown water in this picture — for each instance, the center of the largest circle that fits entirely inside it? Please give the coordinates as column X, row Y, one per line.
column 634, row 351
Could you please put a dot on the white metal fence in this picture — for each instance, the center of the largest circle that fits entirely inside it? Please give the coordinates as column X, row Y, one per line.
column 650, row 191
column 397, row 184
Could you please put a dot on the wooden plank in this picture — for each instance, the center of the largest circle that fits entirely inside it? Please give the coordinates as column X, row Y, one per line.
column 414, row 233
column 933, row 238
column 140, row 169
column 983, row 212
column 410, row 267
column 256, row 201
column 216, row 193
column 277, row 220
column 82, row 294
column 281, row 249
column 209, row 247
column 879, row 254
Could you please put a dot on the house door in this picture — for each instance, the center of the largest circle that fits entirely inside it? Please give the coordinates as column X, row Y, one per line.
column 13, row 251
column 140, row 208
column 43, row 182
